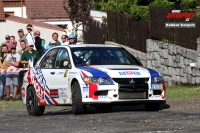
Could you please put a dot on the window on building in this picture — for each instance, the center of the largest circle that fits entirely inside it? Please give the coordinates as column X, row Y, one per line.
column 10, row 13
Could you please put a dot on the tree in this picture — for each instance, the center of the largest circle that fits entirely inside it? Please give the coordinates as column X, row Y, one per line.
column 76, row 10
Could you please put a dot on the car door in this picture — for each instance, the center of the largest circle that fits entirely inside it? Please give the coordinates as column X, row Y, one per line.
column 47, row 66
column 60, row 80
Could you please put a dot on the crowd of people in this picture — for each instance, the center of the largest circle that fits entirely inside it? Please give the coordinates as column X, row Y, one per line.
column 15, row 54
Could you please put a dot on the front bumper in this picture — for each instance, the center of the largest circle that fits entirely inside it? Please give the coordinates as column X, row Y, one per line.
column 123, row 102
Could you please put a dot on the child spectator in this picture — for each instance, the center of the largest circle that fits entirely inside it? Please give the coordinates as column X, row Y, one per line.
column 8, row 42
column 12, row 39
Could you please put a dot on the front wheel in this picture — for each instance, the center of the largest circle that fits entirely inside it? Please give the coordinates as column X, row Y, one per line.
column 77, row 105
column 152, row 107
column 32, row 103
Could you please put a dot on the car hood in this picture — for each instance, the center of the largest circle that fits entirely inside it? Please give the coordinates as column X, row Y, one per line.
column 114, row 71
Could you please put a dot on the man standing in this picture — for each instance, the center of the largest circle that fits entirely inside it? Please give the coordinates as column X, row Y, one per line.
column 12, row 61
column 23, row 47
column 64, row 39
column 22, row 37
column 72, row 39
column 28, row 53
column 55, row 38
column 4, row 53
column 31, row 33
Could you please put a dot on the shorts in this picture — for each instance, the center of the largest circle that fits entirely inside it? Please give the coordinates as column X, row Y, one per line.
column 12, row 79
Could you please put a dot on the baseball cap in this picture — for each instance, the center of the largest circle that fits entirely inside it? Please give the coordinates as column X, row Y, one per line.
column 7, row 37
column 71, row 36
column 13, row 47
column 53, row 42
column 30, row 44
column 20, row 30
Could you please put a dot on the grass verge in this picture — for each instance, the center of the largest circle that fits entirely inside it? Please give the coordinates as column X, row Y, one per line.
column 183, row 92
column 10, row 104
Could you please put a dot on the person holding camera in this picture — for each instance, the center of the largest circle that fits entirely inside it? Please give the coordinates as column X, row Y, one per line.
column 30, row 36
column 12, row 61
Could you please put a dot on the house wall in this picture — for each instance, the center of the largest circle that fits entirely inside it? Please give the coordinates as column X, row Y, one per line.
column 11, row 28
column 17, row 11
column 171, row 61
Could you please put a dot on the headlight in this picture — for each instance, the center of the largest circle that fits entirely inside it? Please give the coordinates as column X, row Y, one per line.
column 97, row 80
column 158, row 79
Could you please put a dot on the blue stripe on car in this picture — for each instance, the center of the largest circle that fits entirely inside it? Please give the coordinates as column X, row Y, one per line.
column 95, row 72
column 153, row 74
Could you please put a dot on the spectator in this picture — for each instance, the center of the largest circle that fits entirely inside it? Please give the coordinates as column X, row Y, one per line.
column 53, row 44
column 28, row 53
column 43, row 43
column 8, row 42
column 4, row 53
column 38, row 45
column 12, row 61
column 72, row 39
column 37, row 33
column 55, row 38
column 30, row 36
column 12, row 39
column 64, row 39
column 22, row 37
column 23, row 47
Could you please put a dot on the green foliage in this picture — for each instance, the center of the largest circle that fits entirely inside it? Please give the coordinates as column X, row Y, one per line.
column 139, row 12
column 138, row 9
column 163, row 3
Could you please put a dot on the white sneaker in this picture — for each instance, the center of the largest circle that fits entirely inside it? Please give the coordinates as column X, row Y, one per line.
column 11, row 95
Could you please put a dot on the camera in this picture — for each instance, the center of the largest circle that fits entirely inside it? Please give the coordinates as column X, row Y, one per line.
column 29, row 29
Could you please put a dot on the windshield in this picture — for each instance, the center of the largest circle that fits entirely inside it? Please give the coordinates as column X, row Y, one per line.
column 102, row 56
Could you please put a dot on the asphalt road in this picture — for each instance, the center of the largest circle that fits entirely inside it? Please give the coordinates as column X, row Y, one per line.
column 123, row 119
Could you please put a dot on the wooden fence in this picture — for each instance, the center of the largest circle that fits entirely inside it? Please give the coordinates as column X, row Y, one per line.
column 126, row 31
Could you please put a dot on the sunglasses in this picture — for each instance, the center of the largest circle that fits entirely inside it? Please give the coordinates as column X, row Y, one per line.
column 31, row 46
column 38, row 34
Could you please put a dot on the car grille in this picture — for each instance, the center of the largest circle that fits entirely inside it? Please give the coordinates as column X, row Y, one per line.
column 136, row 90
column 127, row 80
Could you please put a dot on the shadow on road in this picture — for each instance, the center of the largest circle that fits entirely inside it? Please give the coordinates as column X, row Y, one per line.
column 92, row 110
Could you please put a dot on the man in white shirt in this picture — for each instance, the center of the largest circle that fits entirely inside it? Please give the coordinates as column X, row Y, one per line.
column 12, row 61
column 65, row 40
column 30, row 36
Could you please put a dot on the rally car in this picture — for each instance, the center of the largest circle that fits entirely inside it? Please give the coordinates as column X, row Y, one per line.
column 90, row 74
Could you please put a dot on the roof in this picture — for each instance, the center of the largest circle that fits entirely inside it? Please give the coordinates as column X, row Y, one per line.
column 88, row 45
column 46, row 9
column 34, row 23
column 2, row 14
column 97, row 14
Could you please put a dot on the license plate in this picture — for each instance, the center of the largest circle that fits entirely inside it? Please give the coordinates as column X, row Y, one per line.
column 156, row 86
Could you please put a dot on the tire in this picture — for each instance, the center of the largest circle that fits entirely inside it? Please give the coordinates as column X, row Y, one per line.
column 32, row 103
column 77, row 104
column 152, row 107
column 103, row 108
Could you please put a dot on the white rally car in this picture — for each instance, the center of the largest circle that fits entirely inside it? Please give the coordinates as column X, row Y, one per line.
column 97, row 75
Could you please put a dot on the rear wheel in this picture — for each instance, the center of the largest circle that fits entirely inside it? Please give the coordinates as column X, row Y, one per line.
column 32, row 103
column 152, row 107
column 77, row 105
column 103, row 108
